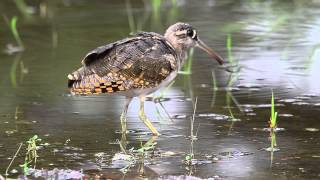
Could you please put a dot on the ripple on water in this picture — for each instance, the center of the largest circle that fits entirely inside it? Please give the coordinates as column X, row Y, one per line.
column 310, row 95
column 55, row 173
column 247, row 109
column 232, row 89
column 268, row 129
column 312, row 129
column 250, row 85
column 251, row 114
column 219, row 117
column 301, row 103
column 303, row 97
column 234, row 154
column 260, row 105
column 285, row 115
column 187, row 177
column 290, row 100
column 272, row 149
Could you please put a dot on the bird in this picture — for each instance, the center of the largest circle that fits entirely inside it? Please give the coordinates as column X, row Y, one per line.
column 137, row 66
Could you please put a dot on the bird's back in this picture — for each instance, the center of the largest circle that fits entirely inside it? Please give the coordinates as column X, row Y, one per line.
column 140, row 62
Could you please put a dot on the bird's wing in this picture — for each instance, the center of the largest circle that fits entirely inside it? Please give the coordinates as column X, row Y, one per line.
column 144, row 59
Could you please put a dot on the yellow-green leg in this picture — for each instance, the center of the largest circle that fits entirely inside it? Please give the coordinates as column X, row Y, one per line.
column 123, row 116
column 144, row 119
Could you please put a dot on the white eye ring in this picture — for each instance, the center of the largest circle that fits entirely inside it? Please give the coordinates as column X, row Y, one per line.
column 194, row 34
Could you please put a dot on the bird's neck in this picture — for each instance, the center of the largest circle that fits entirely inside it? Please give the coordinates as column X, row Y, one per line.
column 178, row 48
column 181, row 53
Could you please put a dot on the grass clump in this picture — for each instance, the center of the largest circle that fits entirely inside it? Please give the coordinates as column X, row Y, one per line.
column 273, row 128
column 31, row 154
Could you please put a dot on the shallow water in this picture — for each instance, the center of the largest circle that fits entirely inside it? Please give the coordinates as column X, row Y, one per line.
column 275, row 45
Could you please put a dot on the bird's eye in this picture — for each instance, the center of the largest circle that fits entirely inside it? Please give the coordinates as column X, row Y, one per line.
column 190, row 33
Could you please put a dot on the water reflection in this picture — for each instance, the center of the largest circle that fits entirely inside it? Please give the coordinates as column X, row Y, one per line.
column 314, row 72
column 275, row 42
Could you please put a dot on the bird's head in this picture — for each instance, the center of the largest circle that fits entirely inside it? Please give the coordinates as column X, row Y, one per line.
column 183, row 36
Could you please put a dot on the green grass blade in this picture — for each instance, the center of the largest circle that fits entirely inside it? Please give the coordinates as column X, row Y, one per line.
column 273, row 113
column 13, row 27
column 130, row 17
column 229, row 48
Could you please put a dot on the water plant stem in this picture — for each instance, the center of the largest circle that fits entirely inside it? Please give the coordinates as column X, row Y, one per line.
column 273, row 119
column 13, row 27
column 13, row 158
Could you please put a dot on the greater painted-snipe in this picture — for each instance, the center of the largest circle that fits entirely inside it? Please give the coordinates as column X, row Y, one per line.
column 137, row 66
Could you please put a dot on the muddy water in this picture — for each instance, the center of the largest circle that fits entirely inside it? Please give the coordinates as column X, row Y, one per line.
column 275, row 45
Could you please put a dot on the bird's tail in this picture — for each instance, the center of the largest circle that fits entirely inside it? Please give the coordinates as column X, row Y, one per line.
column 80, row 82
column 75, row 76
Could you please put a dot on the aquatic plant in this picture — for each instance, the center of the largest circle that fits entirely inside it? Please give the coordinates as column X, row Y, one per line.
column 132, row 156
column 31, row 154
column 273, row 117
column 26, row 10
column 229, row 96
column 13, row 71
column 190, row 156
column 273, row 127
column 12, row 24
column 229, row 48
column 233, row 77
column 30, row 157
column 214, row 89
column 273, row 141
column 14, row 30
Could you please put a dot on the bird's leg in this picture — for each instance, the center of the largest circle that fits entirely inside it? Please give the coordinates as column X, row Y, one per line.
column 144, row 119
column 123, row 116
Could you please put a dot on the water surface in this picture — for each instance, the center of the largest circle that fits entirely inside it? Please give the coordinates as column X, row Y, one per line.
column 275, row 46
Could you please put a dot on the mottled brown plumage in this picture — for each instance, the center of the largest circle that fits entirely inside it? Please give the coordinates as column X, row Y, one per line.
column 139, row 62
column 137, row 66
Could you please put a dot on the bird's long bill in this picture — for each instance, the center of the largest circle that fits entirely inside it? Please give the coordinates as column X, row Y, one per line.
column 213, row 54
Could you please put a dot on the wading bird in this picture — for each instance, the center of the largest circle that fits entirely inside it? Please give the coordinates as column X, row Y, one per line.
column 137, row 66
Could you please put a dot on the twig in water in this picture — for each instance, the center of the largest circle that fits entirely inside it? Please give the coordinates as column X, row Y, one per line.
column 13, row 158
